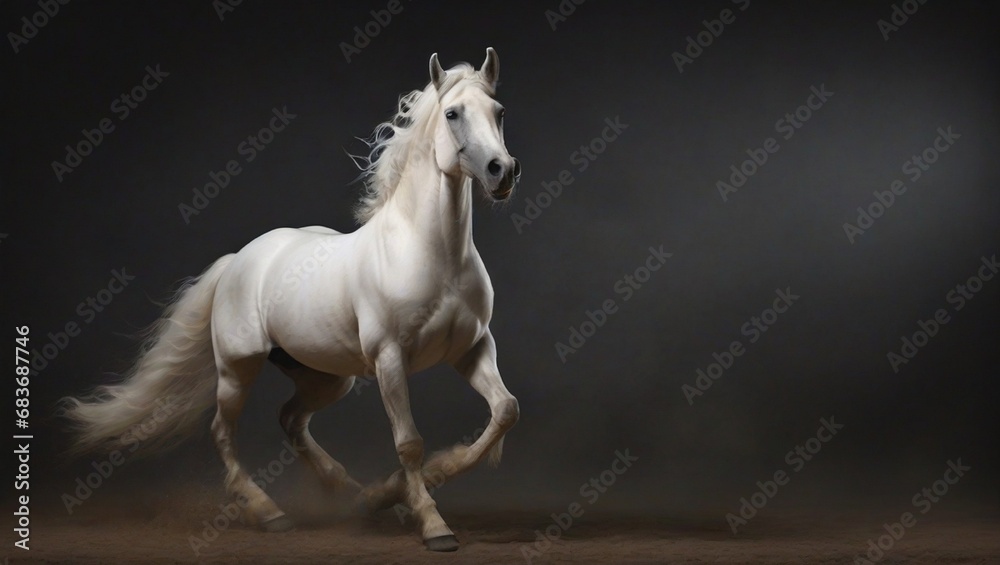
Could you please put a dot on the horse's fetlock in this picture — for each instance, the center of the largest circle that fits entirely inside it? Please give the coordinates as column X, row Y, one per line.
column 411, row 451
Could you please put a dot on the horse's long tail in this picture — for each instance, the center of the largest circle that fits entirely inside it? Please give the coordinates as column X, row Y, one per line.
column 171, row 384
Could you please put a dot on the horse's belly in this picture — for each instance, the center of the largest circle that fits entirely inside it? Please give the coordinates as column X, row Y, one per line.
column 318, row 342
column 319, row 332
column 332, row 360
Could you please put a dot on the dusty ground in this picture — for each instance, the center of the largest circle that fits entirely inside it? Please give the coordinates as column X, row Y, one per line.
column 140, row 532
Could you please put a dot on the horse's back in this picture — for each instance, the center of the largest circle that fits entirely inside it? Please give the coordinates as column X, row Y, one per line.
column 268, row 250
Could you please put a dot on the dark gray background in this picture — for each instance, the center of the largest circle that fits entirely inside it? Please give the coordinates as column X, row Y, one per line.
column 655, row 185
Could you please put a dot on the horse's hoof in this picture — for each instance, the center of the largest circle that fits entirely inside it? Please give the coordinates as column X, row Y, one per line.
column 442, row 543
column 280, row 524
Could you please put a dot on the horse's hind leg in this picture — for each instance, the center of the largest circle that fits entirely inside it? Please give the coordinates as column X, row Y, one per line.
column 313, row 391
column 235, row 378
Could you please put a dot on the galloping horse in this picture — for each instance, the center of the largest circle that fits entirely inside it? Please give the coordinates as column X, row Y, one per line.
column 406, row 291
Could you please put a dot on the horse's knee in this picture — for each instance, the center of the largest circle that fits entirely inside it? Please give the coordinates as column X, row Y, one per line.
column 507, row 413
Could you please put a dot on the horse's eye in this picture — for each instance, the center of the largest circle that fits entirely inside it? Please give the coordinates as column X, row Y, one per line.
column 500, row 115
column 451, row 115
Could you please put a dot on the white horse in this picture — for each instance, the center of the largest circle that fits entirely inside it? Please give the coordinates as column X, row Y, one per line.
column 406, row 291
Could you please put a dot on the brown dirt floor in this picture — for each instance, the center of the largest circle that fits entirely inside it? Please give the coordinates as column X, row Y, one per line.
column 132, row 531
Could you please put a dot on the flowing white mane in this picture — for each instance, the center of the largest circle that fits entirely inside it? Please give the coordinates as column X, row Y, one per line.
column 393, row 142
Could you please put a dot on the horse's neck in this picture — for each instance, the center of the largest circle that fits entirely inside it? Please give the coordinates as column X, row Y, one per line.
column 437, row 208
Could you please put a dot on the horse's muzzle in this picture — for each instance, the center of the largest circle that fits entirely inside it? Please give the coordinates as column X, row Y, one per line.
column 507, row 184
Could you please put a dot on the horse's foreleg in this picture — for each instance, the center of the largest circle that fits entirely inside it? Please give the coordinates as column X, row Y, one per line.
column 391, row 376
column 479, row 368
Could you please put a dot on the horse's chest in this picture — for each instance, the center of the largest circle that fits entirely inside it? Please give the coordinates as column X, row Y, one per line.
column 440, row 330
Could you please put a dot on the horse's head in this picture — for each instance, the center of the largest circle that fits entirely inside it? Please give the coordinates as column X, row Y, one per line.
column 469, row 134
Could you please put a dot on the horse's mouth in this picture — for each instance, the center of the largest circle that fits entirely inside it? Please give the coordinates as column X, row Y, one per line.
column 508, row 183
column 502, row 193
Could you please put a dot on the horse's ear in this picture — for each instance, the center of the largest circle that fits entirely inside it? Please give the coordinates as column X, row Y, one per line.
column 437, row 73
column 491, row 67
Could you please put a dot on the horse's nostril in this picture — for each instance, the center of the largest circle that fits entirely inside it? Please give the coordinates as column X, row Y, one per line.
column 494, row 168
